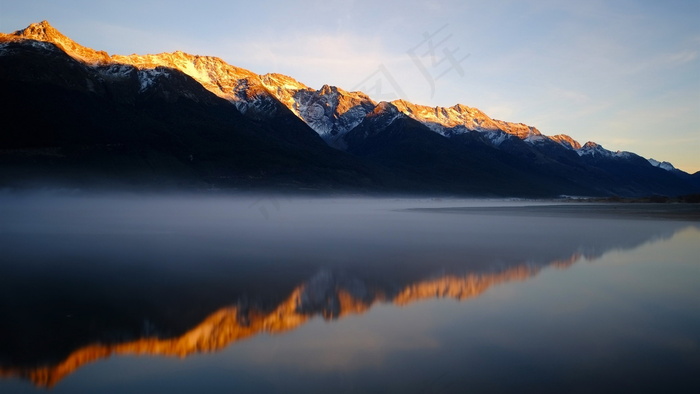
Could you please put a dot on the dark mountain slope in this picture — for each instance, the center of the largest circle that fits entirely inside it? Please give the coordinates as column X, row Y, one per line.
column 397, row 141
column 68, row 122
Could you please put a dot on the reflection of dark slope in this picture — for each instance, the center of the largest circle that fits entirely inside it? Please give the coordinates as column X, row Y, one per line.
column 55, row 310
column 135, row 309
column 325, row 294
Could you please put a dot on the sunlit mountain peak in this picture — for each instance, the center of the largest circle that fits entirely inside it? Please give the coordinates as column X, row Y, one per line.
column 566, row 140
column 281, row 81
column 43, row 31
column 458, row 115
column 460, row 119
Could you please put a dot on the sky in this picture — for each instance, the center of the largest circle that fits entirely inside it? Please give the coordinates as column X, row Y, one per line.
column 625, row 74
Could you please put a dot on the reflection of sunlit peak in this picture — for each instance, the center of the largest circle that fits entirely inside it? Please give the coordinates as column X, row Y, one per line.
column 563, row 264
column 327, row 294
column 460, row 288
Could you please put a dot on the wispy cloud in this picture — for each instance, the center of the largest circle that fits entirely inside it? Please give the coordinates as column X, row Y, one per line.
column 573, row 96
column 681, row 57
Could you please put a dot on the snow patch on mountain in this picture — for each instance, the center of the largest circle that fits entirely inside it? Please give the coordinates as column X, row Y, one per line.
column 662, row 164
column 43, row 45
column 7, row 40
column 623, row 154
column 590, row 148
column 330, row 111
column 116, row 71
column 148, row 77
column 535, row 138
column 497, row 137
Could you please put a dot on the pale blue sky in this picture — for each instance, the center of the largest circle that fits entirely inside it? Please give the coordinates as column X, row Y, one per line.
column 623, row 73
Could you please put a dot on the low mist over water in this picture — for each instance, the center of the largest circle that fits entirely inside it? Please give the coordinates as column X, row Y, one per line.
column 553, row 296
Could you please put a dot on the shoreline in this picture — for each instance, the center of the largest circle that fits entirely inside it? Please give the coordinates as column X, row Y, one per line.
column 628, row 210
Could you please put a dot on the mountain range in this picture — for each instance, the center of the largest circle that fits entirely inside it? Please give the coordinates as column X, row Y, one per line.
column 74, row 116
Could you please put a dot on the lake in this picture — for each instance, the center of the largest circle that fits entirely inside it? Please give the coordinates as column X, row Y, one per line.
column 258, row 294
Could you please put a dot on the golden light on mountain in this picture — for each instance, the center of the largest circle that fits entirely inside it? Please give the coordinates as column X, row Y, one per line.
column 240, row 86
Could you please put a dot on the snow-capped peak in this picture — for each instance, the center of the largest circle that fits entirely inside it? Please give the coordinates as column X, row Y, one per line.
column 592, row 149
column 330, row 111
column 662, row 164
column 448, row 120
column 460, row 119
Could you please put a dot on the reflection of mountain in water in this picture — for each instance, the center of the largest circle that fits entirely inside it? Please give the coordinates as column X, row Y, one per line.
column 204, row 307
column 327, row 294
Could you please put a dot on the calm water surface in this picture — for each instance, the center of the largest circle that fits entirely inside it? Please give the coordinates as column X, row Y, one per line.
column 115, row 294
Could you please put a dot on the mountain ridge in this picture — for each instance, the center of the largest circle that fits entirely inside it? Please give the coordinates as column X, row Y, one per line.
column 229, row 81
column 509, row 158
